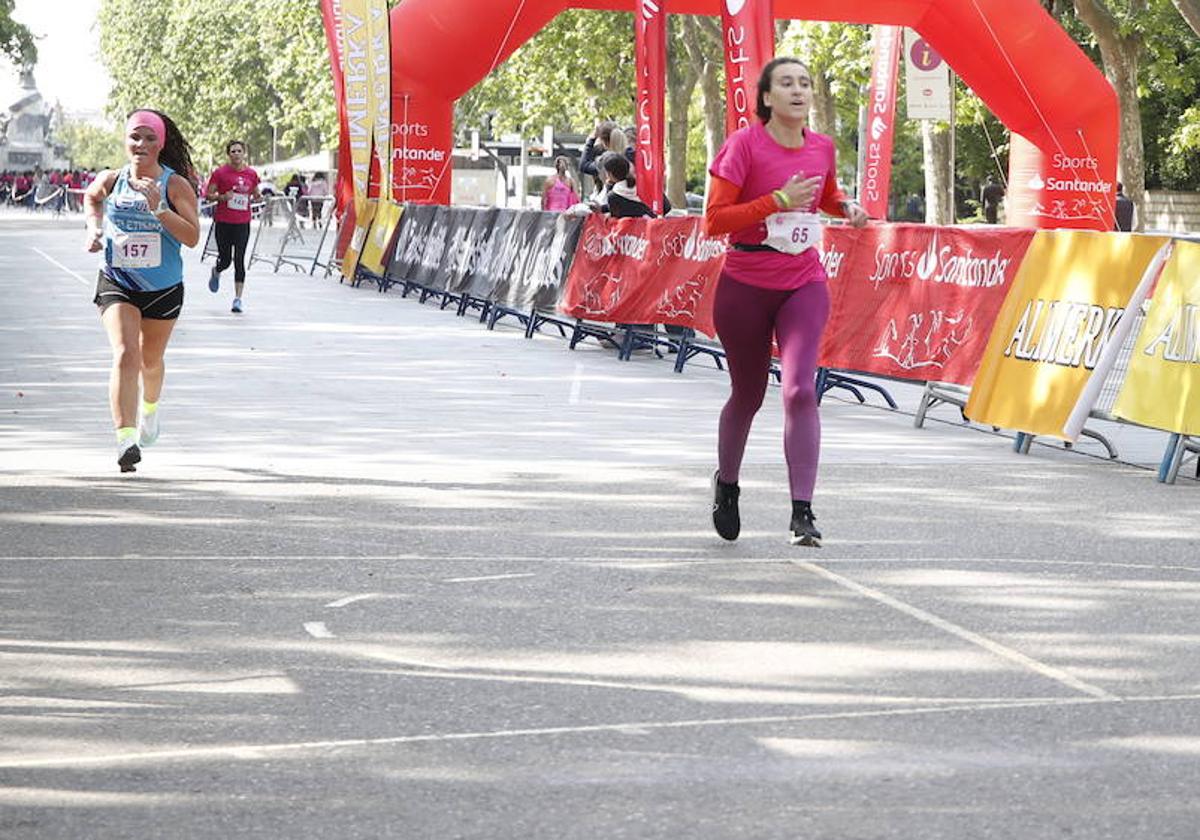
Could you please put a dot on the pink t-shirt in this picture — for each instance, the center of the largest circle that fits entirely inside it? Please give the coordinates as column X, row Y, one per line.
column 560, row 196
column 242, row 182
column 754, row 160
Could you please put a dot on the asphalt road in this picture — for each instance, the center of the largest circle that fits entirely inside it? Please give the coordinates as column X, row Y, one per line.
column 390, row 575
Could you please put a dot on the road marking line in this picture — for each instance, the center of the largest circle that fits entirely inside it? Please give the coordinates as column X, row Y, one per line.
column 349, row 599
column 317, row 630
column 1000, row 650
column 576, row 385
column 60, row 265
column 486, row 577
column 262, row 751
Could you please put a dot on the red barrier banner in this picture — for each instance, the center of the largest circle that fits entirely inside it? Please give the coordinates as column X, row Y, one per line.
column 650, row 47
column 916, row 302
column 645, row 271
column 876, row 177
column 748, row 32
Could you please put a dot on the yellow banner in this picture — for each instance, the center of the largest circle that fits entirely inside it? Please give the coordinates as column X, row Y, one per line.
column 374, row 252
column 1061, row 311
column 379, row 85
column 362, row 227
column 1162, row 385
column 357, row 81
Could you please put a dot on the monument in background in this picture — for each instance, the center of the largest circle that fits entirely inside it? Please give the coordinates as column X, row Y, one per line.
column 27, row 131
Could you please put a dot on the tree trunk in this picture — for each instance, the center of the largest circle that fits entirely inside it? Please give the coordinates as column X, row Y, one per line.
column 823, row 114
column 939, row 172
column 682, row 75
column 1120, row 55
column 702, row 38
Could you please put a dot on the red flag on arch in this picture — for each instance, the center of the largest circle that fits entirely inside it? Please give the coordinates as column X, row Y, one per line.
column 875, row 180
column 748, row 32
column 650, row 25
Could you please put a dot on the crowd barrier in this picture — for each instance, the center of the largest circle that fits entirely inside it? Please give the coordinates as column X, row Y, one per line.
column 1006, row 324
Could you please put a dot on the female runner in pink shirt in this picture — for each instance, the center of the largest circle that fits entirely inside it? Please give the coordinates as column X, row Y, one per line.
column 776, row 166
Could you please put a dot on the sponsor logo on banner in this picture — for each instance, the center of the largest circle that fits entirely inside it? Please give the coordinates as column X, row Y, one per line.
column 600, row 244
column 876, row 177
column 937, row 263
column 694, row 246
column 1179, row 341
column 1064, row 187
column 358, row 95
column 749, row 38
column 651, row 59
column 1063, row 332
column 916, row 302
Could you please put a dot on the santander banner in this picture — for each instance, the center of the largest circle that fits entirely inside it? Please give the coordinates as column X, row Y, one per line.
column 913, row 302
column 916, row 301
column 876, row 176
column 645, row 271
column 1060, row 190
column 748, row 32
column 650, row 25
column 422, row 138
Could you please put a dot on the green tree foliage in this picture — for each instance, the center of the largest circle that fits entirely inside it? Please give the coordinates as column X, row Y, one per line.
column 90, row 146
column 16, row 41
column 577, row 70
column 224, row 71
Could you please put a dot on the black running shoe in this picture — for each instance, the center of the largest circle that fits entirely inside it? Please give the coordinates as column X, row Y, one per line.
column 726, row 518
column 803, row 531
column 128, row 455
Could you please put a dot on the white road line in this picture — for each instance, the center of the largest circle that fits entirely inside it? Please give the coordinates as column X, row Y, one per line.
column 60, row 265
column 486, row 577
column 263, row 751
column 349, row 599
column 317, row 630
column 576, row 385
column 998, row 649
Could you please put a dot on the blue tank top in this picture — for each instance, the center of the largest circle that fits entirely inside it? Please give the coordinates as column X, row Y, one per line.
column 139, row 253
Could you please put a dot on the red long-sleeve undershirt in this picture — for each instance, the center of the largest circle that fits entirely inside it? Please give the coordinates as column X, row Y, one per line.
column 723, row 213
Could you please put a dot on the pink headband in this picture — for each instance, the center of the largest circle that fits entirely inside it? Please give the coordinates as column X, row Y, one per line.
column 150, row 120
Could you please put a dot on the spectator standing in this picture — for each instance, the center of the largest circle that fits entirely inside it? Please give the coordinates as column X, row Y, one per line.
column 990, row 197
column 1124, row 209
column 561, row 189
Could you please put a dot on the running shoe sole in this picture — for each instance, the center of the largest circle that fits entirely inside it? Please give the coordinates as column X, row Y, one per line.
column 129, row 458
column 804, row 539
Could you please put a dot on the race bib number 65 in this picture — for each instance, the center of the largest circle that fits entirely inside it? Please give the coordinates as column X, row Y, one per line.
column 793, row 232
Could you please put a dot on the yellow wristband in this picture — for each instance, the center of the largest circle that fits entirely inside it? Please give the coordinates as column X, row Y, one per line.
column 783, row 199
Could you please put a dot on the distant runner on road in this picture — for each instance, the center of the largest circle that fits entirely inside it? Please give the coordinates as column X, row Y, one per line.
column 233, row 186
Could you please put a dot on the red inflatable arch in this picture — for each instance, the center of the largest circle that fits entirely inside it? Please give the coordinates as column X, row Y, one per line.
column 1010, row 52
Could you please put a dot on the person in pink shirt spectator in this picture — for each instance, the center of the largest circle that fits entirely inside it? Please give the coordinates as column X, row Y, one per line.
column 233, row 186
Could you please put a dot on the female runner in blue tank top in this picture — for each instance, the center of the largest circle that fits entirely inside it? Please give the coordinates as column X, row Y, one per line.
column 139, row 215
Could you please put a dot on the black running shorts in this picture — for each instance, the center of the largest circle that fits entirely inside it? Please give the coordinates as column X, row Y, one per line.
column 159, row 305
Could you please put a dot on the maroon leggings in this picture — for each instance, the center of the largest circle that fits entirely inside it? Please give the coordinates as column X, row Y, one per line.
column 746, row 317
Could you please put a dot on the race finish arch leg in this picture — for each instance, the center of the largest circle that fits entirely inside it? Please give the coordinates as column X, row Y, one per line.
column 1010, row 52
